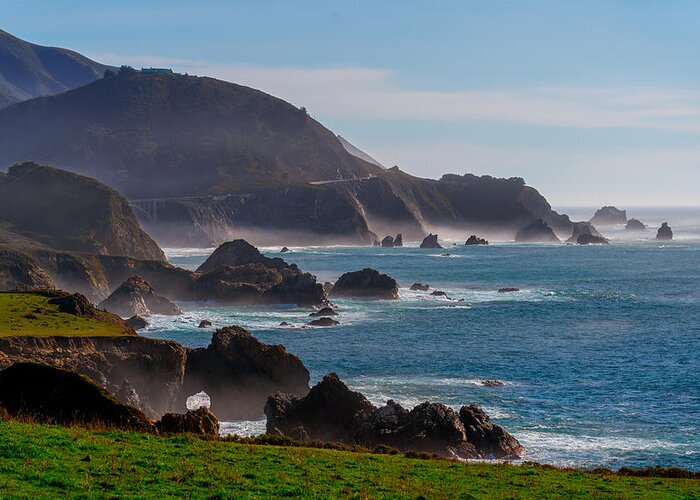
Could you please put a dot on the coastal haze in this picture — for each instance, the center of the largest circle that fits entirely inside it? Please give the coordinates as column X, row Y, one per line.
column 477, row 243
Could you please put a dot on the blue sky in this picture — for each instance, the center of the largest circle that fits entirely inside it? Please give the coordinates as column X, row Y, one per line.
column 592, row 102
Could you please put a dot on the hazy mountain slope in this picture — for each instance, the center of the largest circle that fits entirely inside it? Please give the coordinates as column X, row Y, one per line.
column 355, row 151
column 66, row 211
column 28, row 70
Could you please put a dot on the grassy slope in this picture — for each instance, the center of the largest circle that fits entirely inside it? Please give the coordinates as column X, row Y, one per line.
column 37, row 460
column 31, row 314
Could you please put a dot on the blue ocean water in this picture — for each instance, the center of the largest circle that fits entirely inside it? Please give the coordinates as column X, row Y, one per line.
column 598, row 351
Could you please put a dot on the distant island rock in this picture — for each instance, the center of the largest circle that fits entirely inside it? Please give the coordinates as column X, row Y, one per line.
column 388, row 242
column 664, row 232
column 366, row 283
column 398, row 241
column 536, row 232
column 609, row 216
column 475, row 240
column 430, row 241
column 635, row 225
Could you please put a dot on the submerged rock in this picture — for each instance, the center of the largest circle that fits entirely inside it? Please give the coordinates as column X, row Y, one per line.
column 137, row 322
column 324, row 322
column 136, row 297
column 492, row 383
column 475, row 240
column 635, row 225
column 439, row 293
column 398, row 241
column 420, row 287
column 536, row 232
column 326, row 311
column 431, row 241
column 366, row 283
column 664, row 232
column 388, row 242
column 608, row 216
column 508, row 289
column 200, row 421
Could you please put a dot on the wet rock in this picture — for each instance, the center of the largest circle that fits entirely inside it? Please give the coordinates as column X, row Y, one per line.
column 136, row 297
column 508, row 289
column 439, row 293
column 420, row 287
column 431, row 241
column 536, row 232
column 200, row 421
column 609, row 216
column 584, row 229
column 137, row 322
column 388, row 242
column 635, row 225
column 324, row 322
column 492, row 383
column 591, row 239
column 205, row 323
column 284, row 323
column 664, row 232
column 326, row 311
column 445, row 255
column 475, row 240
column 492, row 440
column 284, row 250
column 398, row 241
column 366, row 283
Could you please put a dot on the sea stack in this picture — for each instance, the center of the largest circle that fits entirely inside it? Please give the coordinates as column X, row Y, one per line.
column 398, row 241
column 664, row 232
column 475, row 240
column 388, row 242
column 431, row 241
column 609, row 216
column 635, row 225
column 585, row 233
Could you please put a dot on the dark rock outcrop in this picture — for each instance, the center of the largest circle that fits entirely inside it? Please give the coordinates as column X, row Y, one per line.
column 664, row 232
column 325, row 311
column 205, row 323
column 439, row 293
column 285, row 250
column 332, row 412
column 420, row 287
column 324, row 322
column 536, row 232
column 366, row 283
column 591, row 239
column 584, row 229
column 200, row 421
column 137, row 322
column 136, row 297
column 635, row 225
column 475, row 240
column 508, row 289
column 608, row 216
column 398, row 241
column 388, row 242
column 53, row 395
column 238, row 372
column 430, row 241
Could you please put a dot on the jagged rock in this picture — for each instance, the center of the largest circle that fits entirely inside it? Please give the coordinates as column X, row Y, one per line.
column 431, row 241
column 398, row 241
column 420, row 287
column 635, row 225
column 591, row 239
column 583, row 229
column 128, row 396
column 332, row 412
column 366, row 283
column 475, row 240
column 388, row 242
column 664, row 232
column 608, row 216
column 326, row 311
column 508, row 289
column 536, row 232
column 136, row 297
column 56, row 396
column 205, row 323
column 200, row 421
column 439, row 293
column 238, row 371
column 284, row 250
column 324, row 322
column 137, row 322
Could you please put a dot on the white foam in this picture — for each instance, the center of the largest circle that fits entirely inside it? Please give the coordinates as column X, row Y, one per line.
column 243, row 428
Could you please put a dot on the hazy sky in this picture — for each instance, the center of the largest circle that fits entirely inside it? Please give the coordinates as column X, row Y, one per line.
column 592, row 102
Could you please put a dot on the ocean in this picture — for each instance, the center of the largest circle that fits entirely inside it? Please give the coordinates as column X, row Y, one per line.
column 599, row 350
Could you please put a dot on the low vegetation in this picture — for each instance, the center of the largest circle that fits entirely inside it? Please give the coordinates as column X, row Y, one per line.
column 32, row 313
column 46, row 461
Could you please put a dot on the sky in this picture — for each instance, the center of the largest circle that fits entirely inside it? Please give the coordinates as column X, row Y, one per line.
column 591, row 102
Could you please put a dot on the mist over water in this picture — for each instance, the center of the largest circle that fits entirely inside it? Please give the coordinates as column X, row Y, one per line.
column 598, row 351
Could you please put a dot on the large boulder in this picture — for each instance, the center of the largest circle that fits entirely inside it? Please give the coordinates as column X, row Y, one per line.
column 366, row 283
column 536, row 232
column 492, row 440
column 664, row 232
column 584, row 229
column 136, row 297
column 635, row 225
column 609, row 216
column 430, row 241
column 475, row 240
column 200, row 421
column 238, row 372
column 53, row 395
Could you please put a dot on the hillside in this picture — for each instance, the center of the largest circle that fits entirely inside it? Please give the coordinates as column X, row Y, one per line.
column 65, row 211
column 28, row 70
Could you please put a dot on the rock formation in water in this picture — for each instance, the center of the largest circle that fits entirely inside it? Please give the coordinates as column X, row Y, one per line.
column 609, row 216
column 664, row 232
column 536, row 232
column 323, row 312
column 388, row 242
column 635, row 225
column 584, row 228
column 366, row 283
column 136, row 297
column 420, row 287
column 475, row 240
column 591, row 239
column 398, row 241
column 430, row 241
column 332, row 412
column 325, row 321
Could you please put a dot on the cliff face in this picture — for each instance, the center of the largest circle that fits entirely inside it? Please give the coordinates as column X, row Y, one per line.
column 66, row 211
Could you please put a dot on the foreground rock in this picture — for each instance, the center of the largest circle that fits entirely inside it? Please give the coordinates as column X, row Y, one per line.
column 52, row 395
column 475, row 240
column 609, row 216
column 664, row 232
column 536, row 232
column 584, row 229
column 366, row 283
column 332, row 412
column 635, row 225
column 200, row 421
column 137, row 322
column 431, row 241
column 136, row 297
column 388, row 242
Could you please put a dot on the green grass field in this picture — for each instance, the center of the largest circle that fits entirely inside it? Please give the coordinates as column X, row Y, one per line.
column 24, row 313
column 44, row 461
